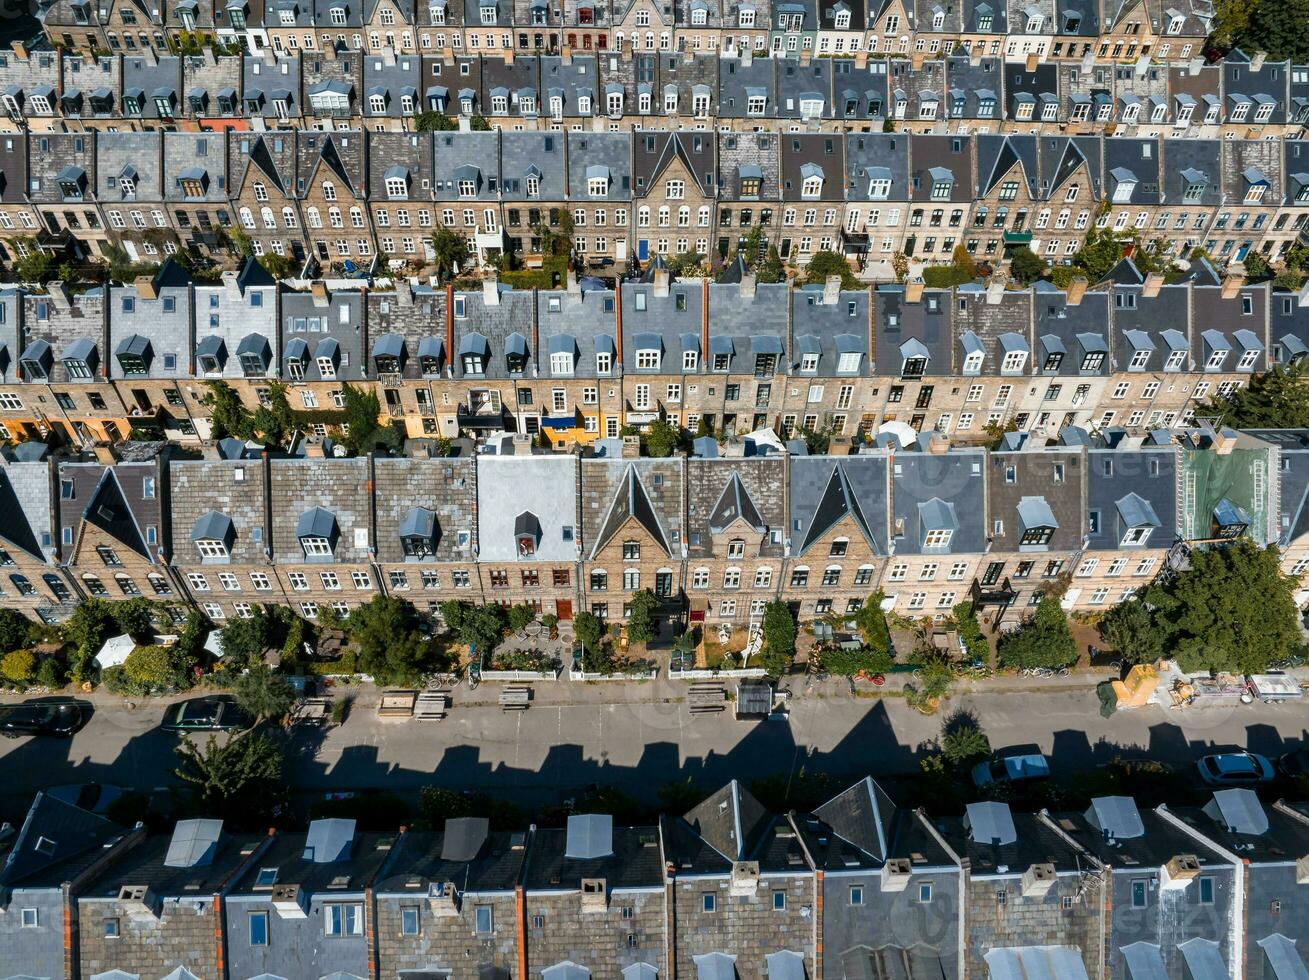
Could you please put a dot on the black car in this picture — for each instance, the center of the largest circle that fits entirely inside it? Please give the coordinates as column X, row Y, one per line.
column 215, row 713
column 1295, row 763
column 60, row 718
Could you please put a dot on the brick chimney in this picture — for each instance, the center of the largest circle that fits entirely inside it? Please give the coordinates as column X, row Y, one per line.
column 631, row 447
column 913, row 290
column 318, row 289
column 491, row 290
column 1033, row 59
column 1076, row 290
column 145, row 287
column 1231, row 284
column 832, row 291
column 661, row 280
column 1257, row 60
column 748, row 285
column 994, row 292
column 1153, row 283
column 20, row 49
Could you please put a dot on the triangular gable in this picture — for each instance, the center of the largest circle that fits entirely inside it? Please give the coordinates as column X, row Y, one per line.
column 862, row 815
column 735, row 505
column 54, row 832
column 730, row 821
column 1125, row 273
column 838, row 501
column 1005, row 161
column 673, row 149
column 631, row 502
column 109, row 511
column 15, row 528
column 1070, row 161
column 330, row 157
column 261, row 158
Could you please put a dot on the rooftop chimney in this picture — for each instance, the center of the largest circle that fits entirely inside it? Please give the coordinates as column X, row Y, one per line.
column 1038, row 880
column 631, row 447
column 661, row 282
column 20, row 49
column 913, row 290
column 491, row 290
column 1033, row 59
column 145, row 287
column 105, row 454
column 994, row 292
column 314, row 448
column 1224, row 442
column 1179, row 872
column 61, row 297
column 574, row 287
column 895, row 874
column 1076, row 290
column 594, row 895
column 1231, row 284
column 832, row 291
column 938, row 443
column 1153, row 283
column 749, row 285
column 1257, row 60
column 318, row 289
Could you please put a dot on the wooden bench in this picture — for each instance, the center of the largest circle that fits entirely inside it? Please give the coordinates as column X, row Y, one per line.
column 432, row 706
column 516, row 697
column 704, row 698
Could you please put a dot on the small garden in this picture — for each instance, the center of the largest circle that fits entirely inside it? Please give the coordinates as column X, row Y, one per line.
column 602, row 651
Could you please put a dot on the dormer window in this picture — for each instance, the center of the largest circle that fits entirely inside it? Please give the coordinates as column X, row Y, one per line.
column 527, row 534
column 756, row 105
column 561, row 364
column 745, row 17
column 317, row 531
column 487, row 11
column 879, row 188
column 647, row 359
column 1230, row 520
column 437, row 13
column 211, row 354
column 316, row 547
column 1175, row 24
column 516, row 353
column 1035, row 21
column 418, row 533
column 597, row 186
column 127, row 182
column 337, row 15
column 1136, row 536
column 842, row 20
column 397, row 186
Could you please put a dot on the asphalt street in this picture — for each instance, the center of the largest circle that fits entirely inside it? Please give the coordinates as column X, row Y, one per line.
column 637, row 737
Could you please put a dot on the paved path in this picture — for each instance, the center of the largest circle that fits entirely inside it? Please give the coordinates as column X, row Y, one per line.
column 636, row 737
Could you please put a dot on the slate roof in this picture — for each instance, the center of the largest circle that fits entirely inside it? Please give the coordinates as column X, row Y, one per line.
column 1071, row 331
column 145, row 865
column 830, row 329
column 540, row 155
column 393, row 76
column 926, row 487
column 611, row 150
column 183, row 153
column 654, row 153
column 952, row 153
column 827, row 490
column 500, row 480
column 287, row 853
column 233, row 488
column 461, row 150
column 737, row 317
column 861, row 827
column 1036, row 843
column 56, row 842
column 738, row 79
column 859, row 93
column 926, row 323
column 26, row 518
column 84, row 75
column 317, row 323
column 1285, row 836
column 648, row 491
column 164, row 321
column 720, row 489
column 636, row 861
column 268, row 157
column 672, row 319
column 1035, row 481
column 587, row 318
column 728, row 826
column 339, row 486
column 114, row 500
column 757, row 154
column 446, row 487
column 496, row 323
column 1118, row 481
column 211, row 76
column 421, row 859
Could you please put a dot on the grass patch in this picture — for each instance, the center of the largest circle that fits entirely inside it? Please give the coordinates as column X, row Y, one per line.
column 542, row 278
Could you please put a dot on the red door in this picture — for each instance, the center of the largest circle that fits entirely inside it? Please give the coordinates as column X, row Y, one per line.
column 564, row 608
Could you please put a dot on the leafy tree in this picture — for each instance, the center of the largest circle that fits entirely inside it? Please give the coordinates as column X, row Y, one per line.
column 227, row 416
column 18, row 666
column 1025, row 265
column 1129, row 630
column 1231, row 17
column 452, row 614
column 1101, row 251
column 238, row 779
column 1275, row 26
column 15, row 629
column 431, row 121
column 274, row 422
column 87, row 629
column 900, row 266
column 872, row 623
column 963, row 742
column 482, row 628
column 151, row 668
column 965, row 618
column 1256, row 266
column 244, row 640
column 827, row 263
column 771, row 269
column 35, row 266
column 1289, row 279
column 133, row 617
column 848, row 663
column 932, row 687
column 1277, row 399
column 388, row 643
column 263, row 694
column 363, row 414
column 687, row 265
column 588, row 629
column 640, row 623
column 449, row 251
column 779, row 638
column 661, row 438
column 818, row 442
column 1043, row 641
column 1233, row 609
column 479, row 124
column 520, row 615
column 278, row 266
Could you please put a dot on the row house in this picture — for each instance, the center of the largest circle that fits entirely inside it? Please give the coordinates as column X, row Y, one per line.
column 859, row 886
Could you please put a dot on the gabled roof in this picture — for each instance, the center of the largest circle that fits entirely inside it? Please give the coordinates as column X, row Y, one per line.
column 109, row 510
column 730, row 821
column 631, row 502
column 863, row 815
column 54, row 832
column 1013, row 152
column 15, row 528
column 330, row 156
column 735, row 504
column 838, row 501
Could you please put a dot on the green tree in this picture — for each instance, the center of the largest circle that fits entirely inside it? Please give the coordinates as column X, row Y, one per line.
column 15, row 629
column 388, row 643
column 661, row 438
column 135, row 616
column 245, row 639
column 431, row 121
column 687, row 265
column 449, row 251
column 36, row 266
column 364, row 430
column 238, row 779
column 872, row 623
column 263, row 694
column 520, row 615
column 1043, row 641
column 779, row 638
column 1277, row 399
column 278, row 266
column 227, row 416
column 771, row 269
column 1101, row 251
column 1256, row 266
column 275, row 422
column 1275, row 26
column 151, row 668
column 1129, row 630
column 963, row 742
column 1233, row 609
column 18, row 666
column 588, row 629
column 640, row 622
column 479, row 124
column 87, row 629
column 482, row 628
column 1025, row 265
column 827, row 263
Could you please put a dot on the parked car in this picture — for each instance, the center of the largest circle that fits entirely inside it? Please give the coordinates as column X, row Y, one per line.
column 213, row 713
column 1235, row 769
column 1011, row 769
column 43, row 717
column 1295, row 763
